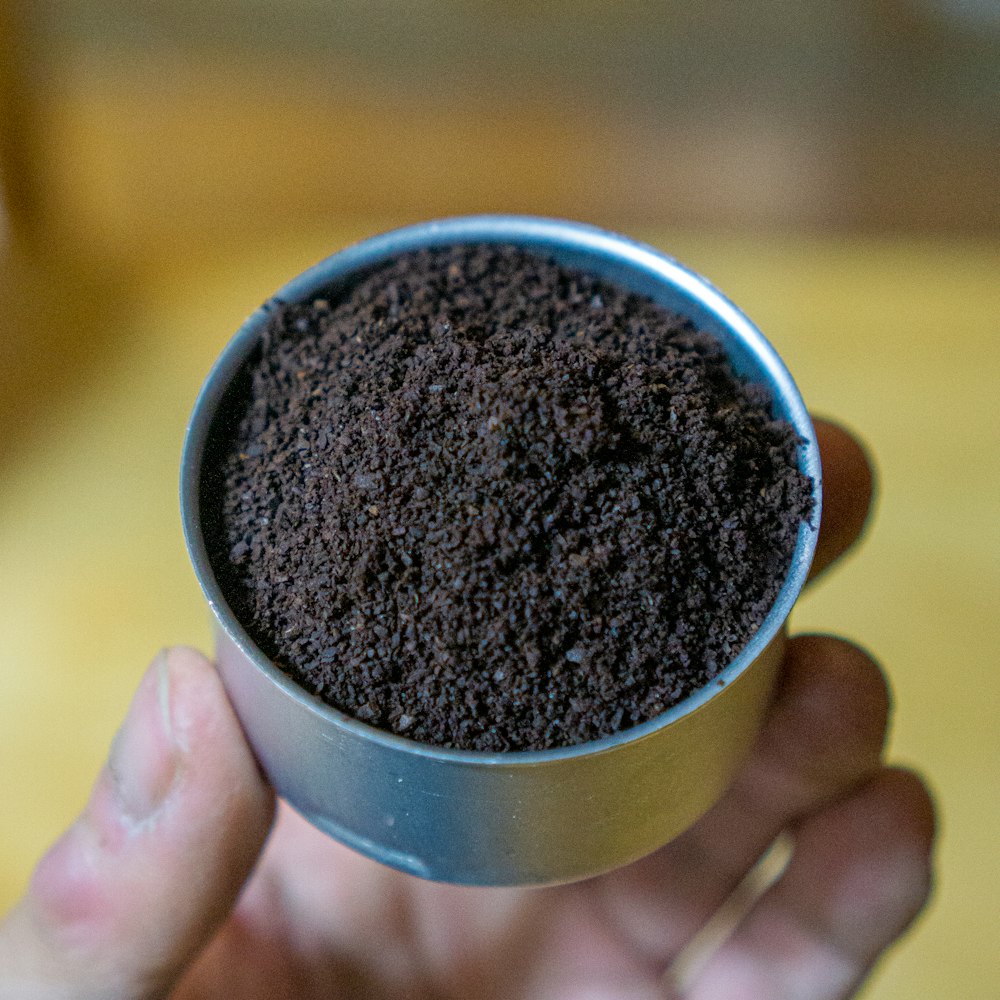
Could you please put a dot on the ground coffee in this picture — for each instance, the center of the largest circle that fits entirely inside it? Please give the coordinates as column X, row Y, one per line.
column 487, row 502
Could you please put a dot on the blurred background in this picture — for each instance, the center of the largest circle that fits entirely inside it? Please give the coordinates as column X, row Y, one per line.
column 835, row 168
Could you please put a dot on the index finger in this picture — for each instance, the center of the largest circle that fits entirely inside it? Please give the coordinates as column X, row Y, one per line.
column 848, row 488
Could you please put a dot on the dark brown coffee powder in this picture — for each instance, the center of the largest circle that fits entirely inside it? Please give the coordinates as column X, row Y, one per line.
column 487, row 502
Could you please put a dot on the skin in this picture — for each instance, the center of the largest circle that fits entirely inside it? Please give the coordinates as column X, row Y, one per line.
column 183, row 879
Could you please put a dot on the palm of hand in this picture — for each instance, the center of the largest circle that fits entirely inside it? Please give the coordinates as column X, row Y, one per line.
column 318, row 920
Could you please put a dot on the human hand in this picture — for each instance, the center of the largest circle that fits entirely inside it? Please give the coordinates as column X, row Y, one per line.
column 169, row 884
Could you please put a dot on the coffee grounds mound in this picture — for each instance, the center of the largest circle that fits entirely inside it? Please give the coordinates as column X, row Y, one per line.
column 487, row 502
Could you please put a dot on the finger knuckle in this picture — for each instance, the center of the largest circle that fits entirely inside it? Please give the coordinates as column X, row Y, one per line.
column 827, row 729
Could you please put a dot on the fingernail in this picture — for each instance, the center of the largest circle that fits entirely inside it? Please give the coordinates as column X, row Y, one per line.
column 145, row 754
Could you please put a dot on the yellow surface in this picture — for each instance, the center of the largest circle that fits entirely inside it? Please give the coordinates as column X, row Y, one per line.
column 898, row 338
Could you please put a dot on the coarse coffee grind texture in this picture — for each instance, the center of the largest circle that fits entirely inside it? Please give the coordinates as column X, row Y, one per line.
column 487, row 502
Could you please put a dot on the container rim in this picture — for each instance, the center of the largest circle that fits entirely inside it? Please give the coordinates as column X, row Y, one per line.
column 526, row 231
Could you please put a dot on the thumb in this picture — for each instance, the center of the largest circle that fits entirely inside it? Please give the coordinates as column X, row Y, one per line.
column 136, row 887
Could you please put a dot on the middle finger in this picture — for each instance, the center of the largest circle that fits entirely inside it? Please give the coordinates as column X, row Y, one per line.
column 823, row 735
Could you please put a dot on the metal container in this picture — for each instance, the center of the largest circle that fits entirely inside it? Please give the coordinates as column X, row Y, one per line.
column 522, row 817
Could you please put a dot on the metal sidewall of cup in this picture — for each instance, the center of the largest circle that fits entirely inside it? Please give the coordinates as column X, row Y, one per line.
column 525, row 817
column 532, row 823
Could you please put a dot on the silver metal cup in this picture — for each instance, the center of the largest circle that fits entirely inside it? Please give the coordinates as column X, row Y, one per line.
column 516, row 818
